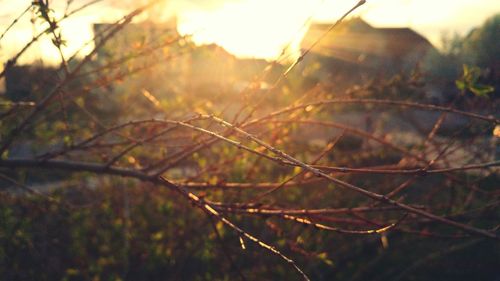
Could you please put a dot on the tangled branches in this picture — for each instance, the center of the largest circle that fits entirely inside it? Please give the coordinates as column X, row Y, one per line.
column 300, row 159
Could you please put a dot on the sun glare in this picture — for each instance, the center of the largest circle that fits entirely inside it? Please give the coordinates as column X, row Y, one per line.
column 258, row 28
column 249, row 28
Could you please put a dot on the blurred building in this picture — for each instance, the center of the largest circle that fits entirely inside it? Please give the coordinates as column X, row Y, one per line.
column 133, row 37
column 173, row 65
column 29, row 82
column 356, row 46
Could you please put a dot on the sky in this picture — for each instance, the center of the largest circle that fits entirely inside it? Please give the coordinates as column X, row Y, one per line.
column 246, row 28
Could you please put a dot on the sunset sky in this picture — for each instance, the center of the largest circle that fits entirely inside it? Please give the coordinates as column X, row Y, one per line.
column 248, row 28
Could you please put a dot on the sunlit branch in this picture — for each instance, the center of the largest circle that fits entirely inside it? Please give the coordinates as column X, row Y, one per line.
column 360, row 190
column 47, row 99
column 16, row 20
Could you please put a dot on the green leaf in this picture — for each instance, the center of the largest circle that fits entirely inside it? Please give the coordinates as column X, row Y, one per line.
column 482, row 90
column 469, row 81
column 465, row 69
column 461, row 85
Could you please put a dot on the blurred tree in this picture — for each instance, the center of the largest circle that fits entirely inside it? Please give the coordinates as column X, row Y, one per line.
column 481, row 45
column 479, row 48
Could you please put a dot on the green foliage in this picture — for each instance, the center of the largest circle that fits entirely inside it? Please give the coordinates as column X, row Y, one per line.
column 479, row 48
column 470, row 82
column 142, row 232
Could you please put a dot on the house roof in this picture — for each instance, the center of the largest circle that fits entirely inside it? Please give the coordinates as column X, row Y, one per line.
column 355, row 39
